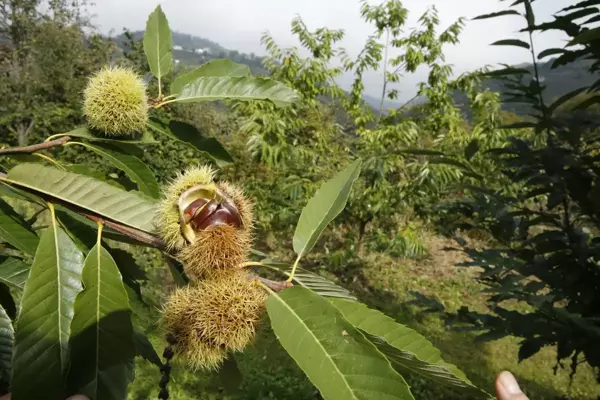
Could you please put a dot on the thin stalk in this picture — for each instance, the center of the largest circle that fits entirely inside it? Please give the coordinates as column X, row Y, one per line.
column 159, row 105
column 50, row 159
column 291, row 278
column 252, row 264
column 536, row 71
column 385, row 62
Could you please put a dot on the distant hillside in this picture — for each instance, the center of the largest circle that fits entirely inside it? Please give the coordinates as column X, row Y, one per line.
column 376, row 101
column 558, row 82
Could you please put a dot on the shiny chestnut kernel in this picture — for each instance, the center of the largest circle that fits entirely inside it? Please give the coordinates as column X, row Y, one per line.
column 204, row 213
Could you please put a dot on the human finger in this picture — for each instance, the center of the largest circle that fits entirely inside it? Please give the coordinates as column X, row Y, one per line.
column 507, row 387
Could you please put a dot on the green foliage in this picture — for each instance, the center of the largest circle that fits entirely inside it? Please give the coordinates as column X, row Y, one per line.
column 186, row 133
column 41, row 350
column 540, row 268
column 323, row 207
column 526, row 185
column 129, row 208
column 15, row 231
column 211, row 88
column 220, row 67
column 158, row 44
column 102, row 327
column 337, row 358
column 405, row 348
column 135, row 169
column 86, row 344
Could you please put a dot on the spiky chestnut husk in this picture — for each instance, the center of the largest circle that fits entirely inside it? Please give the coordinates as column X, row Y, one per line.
column 213, row 317
column 115, row 102
column 221, row 240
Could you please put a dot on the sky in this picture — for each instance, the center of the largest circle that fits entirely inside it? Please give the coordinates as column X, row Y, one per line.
column 239, row 24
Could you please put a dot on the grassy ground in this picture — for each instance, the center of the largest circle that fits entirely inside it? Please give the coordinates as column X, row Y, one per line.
column 385, row 283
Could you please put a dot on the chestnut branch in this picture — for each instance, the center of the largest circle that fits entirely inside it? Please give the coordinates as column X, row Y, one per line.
column 35, row 147
column 140, row 236
column 275, row 286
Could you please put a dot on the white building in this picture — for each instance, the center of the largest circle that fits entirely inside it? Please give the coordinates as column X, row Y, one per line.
column 205, row 50
column 177, row 47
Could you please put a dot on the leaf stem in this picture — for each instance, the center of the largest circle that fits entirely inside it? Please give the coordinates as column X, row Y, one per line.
column 252, row 264
column 291, row 278
column 100, row 228
column 47, row 158
column 159, row 105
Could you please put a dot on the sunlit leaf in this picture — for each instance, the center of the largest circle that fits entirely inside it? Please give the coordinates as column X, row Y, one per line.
column 41, row 351
column 219, row 67
column 15, row 230
column 236, row 88
column 102, row 333
column 133, row 167
column 405, row 348
column 334, row 355
column 187, row 133
column 158, row 43
column 323, row 207
column 128, row 208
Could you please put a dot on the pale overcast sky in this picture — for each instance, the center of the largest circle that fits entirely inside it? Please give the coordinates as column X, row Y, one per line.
column 238, row 25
